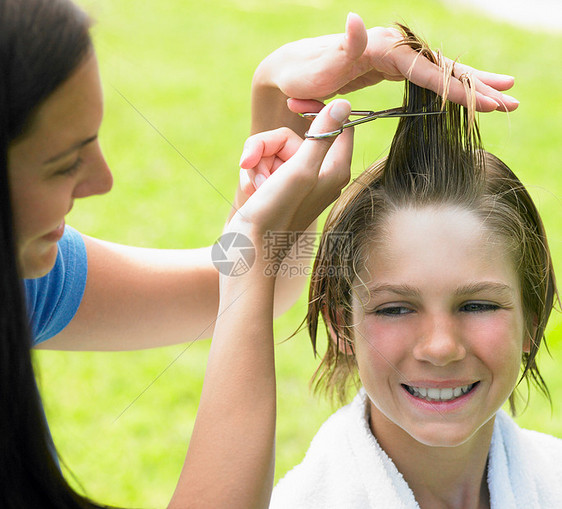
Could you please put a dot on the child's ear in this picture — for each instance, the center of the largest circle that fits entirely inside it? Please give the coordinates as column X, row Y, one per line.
column 527, row 342
column 530, row 335
column 343, row 344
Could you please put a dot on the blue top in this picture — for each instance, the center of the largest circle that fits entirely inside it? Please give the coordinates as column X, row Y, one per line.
column 52, row 300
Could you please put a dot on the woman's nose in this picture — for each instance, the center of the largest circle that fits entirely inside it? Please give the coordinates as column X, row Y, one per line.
column 440, row 342
column 97, row 177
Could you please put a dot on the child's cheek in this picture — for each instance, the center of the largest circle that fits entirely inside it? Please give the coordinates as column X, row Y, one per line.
column 495, row 338
column 388, row 339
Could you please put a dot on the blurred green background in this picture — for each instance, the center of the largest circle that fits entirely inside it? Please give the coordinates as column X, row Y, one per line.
column 187, row 67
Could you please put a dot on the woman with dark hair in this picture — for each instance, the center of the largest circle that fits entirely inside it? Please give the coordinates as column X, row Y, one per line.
column 51, row 108
column 81, row 293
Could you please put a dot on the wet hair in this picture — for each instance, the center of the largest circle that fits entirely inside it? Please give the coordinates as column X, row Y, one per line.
column 41, row 43
column 434, row 160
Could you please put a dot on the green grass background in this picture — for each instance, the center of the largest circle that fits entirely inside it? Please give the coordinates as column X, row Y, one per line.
column 187, row 66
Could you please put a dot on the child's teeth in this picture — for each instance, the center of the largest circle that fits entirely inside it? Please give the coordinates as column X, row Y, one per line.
column 432, row 394
column 446, row 394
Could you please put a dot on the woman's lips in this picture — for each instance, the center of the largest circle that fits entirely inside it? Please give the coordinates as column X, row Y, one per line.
column 56, row 234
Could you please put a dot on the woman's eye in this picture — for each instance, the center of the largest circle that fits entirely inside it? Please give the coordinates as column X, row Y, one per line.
column 478, row 307
column 71, row 169
column 393, row 311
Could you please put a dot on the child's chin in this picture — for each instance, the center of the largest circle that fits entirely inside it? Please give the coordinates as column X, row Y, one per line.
column 446, row 435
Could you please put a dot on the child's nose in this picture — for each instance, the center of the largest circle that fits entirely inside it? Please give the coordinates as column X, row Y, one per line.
column 440, row 342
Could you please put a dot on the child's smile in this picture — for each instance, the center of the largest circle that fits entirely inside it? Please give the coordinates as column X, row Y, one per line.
column 427, row 392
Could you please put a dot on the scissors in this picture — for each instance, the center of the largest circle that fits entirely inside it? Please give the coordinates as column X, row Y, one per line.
column 366, row 116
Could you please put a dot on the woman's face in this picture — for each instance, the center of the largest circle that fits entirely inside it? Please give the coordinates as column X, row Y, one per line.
column 439, row 329
column 56, row 161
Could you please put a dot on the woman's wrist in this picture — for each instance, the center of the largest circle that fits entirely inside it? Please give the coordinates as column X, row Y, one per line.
column 264, row 74
column 251, row 291
column 269, row 102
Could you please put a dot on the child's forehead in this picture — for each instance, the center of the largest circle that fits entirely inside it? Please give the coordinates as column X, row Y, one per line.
column 432, row 244
column 410, row 227
column 423, row 224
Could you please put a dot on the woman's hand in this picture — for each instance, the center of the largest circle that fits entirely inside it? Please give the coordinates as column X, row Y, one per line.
column 296, row 179
column 318, row 68
column 239, row 393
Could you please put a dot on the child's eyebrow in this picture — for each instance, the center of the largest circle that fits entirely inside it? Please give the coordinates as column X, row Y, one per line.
column 401, row 289
column 493, row 287
column 485, row 286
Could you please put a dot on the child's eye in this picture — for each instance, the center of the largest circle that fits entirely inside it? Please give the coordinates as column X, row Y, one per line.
column 71, row 169
column 393, row 311
column 478, row 307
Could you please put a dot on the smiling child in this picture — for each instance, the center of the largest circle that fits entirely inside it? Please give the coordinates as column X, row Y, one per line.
column 435, row 303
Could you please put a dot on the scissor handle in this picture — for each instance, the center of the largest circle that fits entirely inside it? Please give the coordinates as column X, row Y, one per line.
column 321, row 136
column 366, row 116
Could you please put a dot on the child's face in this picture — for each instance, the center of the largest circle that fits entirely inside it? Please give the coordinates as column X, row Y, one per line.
column 439, row 329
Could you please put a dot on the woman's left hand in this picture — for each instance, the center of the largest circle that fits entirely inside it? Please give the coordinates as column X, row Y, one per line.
column 321, row 67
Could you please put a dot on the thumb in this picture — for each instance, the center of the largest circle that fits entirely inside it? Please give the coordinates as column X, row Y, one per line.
column 304, row 105
column 312, row 152
column 355, row 40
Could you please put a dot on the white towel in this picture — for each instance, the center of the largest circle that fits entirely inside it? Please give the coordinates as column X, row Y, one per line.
column 345, row 468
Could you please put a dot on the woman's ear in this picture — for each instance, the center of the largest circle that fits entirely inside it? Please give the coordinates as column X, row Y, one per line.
column 343, row 343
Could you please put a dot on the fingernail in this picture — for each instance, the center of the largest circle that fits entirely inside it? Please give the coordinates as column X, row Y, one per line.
column 340, row 110
column 509, row 98
column 243, row 156
column 259, row 180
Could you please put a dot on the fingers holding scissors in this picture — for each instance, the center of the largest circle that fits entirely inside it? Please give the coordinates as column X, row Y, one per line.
column 301, row 178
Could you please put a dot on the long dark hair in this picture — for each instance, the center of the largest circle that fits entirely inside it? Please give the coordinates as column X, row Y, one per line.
column 41, row 43
column 433, row 159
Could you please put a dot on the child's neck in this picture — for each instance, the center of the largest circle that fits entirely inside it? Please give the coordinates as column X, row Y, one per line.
column 440, row 477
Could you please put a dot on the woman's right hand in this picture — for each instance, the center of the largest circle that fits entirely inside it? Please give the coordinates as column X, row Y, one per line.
column 299, row 179
column 239, row 393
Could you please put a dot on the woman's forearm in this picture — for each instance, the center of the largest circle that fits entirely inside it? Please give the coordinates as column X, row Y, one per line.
column 230, row 461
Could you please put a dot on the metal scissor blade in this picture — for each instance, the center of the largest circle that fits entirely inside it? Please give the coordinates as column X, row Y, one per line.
column 366, row 116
